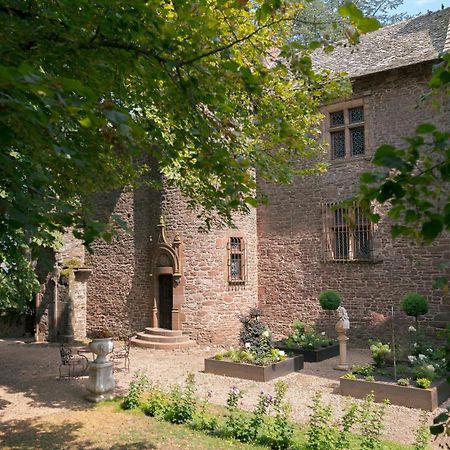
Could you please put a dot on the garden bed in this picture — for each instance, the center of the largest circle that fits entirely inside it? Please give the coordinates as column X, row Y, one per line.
column 252, row 371
column 410, row 396
column 310, row 354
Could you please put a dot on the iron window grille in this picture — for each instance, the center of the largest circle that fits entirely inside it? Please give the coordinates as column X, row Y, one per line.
column 236, row 260
column 347, row 132
column 348, row 234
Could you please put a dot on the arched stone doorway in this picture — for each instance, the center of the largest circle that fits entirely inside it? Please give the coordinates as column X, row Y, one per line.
column 168, row 282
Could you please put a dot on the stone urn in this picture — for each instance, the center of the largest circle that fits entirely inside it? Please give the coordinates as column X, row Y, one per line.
column 101, row 347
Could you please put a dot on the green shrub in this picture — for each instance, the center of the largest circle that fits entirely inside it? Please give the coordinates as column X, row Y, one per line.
column 349, row 376
column 424, row 371
column 255, row 332
column 414, row 305
column 182, row 402
column 364, row 370
column 135, row 390
column 329, row 300
column 369, row 378
column 281, row 430
column 423, row 383
column 371, row 423
column 156, row 402
column 380, row 352
column 306, row 338
column 403, row 381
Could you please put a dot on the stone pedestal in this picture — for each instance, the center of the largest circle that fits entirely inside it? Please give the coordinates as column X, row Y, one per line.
column 343, row 364
column 101, row 382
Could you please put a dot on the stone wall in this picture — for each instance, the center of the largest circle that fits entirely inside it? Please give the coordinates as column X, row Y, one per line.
column 291, row 268
column 118, row 292
column 212, row 305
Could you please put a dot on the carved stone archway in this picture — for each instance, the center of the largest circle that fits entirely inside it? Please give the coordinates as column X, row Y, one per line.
column 167, row 261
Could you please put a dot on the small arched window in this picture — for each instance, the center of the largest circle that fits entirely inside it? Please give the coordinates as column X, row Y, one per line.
column 236, row 260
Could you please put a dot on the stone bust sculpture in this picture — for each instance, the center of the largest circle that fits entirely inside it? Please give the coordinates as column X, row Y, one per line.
column 343, row 323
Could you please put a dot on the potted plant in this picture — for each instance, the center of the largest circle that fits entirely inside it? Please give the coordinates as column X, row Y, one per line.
column 102, row 344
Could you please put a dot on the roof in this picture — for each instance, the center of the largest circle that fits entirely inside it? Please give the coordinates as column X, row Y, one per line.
column 411, row 41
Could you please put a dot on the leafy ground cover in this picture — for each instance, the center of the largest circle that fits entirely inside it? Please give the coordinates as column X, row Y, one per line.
column 108, row 427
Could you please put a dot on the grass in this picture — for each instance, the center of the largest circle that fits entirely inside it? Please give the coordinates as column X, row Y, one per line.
column 106, row 426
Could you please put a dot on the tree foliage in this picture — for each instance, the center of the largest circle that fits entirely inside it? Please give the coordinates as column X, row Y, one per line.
column 321, row 20
column 97, row 95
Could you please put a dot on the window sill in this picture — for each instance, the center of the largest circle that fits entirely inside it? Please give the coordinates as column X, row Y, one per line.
column 353, row 159
column 353, row 261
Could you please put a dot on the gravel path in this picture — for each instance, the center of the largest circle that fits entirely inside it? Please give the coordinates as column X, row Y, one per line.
column 29, row 386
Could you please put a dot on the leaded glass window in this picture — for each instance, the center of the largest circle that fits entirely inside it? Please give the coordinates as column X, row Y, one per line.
column 236, row 260
column 347, row 233
column 337, row 119
column 356, row 115
column 338, row 144
column 346, row 131
column 357, row 140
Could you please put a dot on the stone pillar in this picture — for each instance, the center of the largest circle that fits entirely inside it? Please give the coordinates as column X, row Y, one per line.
column 343, row 364
column 101, row 382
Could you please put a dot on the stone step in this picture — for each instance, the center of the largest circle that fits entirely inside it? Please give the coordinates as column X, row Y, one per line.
column 161, row 345
column 163, row 332
column 160, row 338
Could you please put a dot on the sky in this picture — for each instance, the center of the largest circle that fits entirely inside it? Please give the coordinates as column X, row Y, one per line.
column 414, row 7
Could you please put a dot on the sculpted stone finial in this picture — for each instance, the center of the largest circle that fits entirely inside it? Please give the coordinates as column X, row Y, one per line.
column 162, row 230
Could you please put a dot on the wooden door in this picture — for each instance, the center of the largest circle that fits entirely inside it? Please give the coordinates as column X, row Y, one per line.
column 165, row 301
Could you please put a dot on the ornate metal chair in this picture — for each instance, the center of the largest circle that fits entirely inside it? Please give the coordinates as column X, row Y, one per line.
column 74, row 363
column 122, row 353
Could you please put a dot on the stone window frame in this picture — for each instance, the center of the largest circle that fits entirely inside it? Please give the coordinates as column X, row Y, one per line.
column 354, row 230
column 345, row 106
column 242, row 257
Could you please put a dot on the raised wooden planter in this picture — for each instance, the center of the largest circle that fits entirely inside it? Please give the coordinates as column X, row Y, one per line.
column 311, row 355
column 410, row 396
column 252, row 371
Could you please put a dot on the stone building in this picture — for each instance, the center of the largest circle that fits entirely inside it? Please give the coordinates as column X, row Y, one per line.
column 165, row 273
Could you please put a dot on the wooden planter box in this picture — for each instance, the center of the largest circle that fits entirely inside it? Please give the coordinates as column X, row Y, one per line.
column 410, row 396
column 252, row 371
column 311, row 355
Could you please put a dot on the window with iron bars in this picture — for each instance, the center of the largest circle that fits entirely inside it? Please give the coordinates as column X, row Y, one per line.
column 348, row 234
column 236, row 260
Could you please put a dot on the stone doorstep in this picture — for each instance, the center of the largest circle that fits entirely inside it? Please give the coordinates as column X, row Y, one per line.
column 160, row 338
column 135, row 341
column 162, row 332
column 410, row 396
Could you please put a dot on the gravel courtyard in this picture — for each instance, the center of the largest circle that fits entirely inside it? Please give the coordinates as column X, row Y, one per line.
column 29, row 387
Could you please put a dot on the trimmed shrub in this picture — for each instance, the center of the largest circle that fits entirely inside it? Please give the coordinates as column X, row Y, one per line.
column 329, row 300
column 414, row 305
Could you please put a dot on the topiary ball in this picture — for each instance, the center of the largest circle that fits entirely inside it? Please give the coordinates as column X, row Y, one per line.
column 329, row 300
column 413, row 304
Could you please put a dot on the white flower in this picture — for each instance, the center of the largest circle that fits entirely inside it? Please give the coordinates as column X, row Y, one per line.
column 248, row 345
column 323, row 333
column 416, row 345
column 412, row 359
column 422, row 357
column 429, row 350
column 430, row 367
column 281, row 353
column 4, row 267
column 265, row 333
column 411, row 329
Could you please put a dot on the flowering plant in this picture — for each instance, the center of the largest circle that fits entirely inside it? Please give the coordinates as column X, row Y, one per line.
column 306, row 339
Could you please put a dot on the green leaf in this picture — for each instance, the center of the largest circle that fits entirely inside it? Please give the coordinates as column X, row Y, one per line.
column 432, row 229
column 425, row 128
